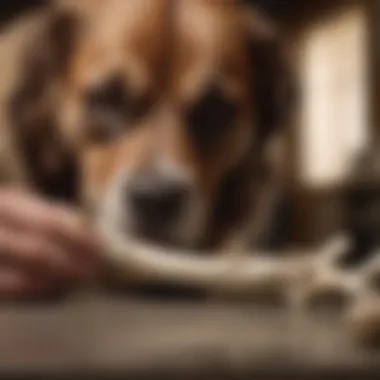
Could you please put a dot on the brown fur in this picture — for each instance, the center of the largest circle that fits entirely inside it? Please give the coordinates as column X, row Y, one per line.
column 158, row 61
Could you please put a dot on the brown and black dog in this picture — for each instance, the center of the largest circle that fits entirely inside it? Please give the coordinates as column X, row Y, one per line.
column 156, row 115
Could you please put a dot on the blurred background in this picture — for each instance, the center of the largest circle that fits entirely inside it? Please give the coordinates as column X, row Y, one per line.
column 332, row 138
column 333, row 45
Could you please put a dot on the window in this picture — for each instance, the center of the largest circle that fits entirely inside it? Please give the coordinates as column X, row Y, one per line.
column 334, row 116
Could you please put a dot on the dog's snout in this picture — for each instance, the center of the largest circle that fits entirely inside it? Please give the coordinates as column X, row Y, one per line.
column 157, row 201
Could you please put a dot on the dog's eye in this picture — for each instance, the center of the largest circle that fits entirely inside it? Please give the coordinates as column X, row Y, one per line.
column 210, row 116
column 111, row 109
column 110, row 96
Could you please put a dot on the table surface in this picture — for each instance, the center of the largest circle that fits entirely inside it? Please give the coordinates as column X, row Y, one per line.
column 92, row 333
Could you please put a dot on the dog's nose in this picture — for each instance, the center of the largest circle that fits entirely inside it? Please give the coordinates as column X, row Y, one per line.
column 156, row 201
column 110, row 94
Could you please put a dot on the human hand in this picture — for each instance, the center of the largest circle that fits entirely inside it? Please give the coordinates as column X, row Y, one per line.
column 44, row 247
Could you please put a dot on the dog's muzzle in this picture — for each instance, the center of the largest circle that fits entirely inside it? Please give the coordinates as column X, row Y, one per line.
column 155, row 201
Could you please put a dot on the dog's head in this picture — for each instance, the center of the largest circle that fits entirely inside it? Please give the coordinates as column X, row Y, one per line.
column 160, row 104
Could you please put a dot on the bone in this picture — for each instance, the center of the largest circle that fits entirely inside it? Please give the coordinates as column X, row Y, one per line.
column 237, row 273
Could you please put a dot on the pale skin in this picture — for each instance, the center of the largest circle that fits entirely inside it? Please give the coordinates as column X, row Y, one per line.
column 45, row 248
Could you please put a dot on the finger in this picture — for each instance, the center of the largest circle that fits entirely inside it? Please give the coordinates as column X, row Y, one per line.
column 57, row 222
column 76, row 233
column 40, row 257
column 15, row 284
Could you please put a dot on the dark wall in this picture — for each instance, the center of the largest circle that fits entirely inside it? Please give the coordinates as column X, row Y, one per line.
column 278, row 8
column 12, row 9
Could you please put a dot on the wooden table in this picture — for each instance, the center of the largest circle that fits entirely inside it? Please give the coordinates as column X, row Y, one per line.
column 95, row 335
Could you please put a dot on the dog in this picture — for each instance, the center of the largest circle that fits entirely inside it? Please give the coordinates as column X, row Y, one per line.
column 157, row 116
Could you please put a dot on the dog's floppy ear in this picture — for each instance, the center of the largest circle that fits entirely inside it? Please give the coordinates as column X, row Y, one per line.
column 273, row 86
column 33, row 105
